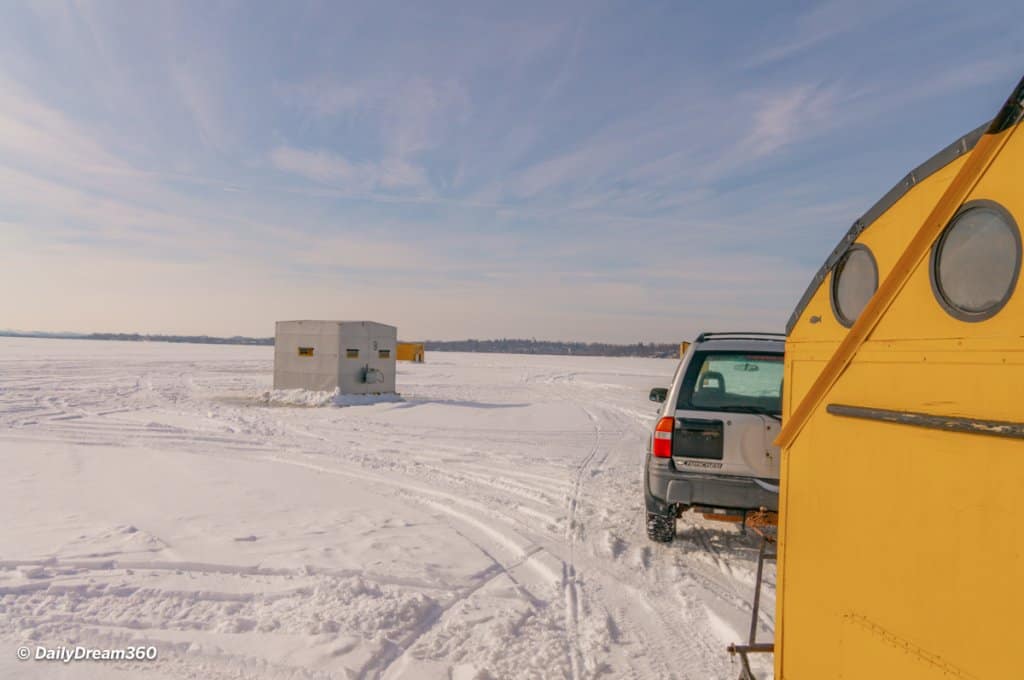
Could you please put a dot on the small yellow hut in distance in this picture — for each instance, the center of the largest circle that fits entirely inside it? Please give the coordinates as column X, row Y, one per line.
column 901, row 543
column 410, row 351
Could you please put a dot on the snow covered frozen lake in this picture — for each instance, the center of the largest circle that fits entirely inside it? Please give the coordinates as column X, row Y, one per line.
column 487, row 526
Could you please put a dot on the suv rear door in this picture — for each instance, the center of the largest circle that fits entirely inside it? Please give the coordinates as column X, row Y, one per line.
column 726, row 414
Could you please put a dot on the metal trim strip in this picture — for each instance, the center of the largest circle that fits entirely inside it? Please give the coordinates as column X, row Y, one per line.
column 993, row 428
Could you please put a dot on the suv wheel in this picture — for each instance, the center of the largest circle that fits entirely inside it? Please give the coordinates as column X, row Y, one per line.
column 661, row 528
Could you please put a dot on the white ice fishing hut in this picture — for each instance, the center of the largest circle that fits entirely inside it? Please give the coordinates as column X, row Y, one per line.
column 356, row 357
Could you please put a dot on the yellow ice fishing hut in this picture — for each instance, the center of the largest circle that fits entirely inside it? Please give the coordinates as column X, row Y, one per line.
column 902, row 494
column 410, row 351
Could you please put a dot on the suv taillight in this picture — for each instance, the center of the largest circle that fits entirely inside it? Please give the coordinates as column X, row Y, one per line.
column 662, row 445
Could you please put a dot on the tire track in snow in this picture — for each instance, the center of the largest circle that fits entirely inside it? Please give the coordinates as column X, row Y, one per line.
column 448, row 503
column 607, row 579
column 681, row 649
column 572, row 590
column 725, row 588
column 378, row 666
column 659, row 616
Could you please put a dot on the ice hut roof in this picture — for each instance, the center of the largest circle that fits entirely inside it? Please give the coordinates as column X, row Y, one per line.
column 940, row 160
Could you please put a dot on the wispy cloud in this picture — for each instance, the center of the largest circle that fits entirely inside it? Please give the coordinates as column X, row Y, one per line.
column 334, row 170
column 783, row 118
column 409, row 114
column 198, row 98
column 41, row 136
column 823, row 22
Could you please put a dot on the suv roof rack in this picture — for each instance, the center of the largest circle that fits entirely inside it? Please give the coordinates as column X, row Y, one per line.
column 745, row 335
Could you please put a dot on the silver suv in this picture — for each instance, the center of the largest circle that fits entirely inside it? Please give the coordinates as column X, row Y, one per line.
column 711, row 449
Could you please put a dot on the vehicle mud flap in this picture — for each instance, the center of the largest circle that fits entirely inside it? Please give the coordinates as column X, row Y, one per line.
column 680, row 491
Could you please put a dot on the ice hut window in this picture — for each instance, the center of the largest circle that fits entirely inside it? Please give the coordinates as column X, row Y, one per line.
column 305, row 351
column 351, row 354
column 384, row 354
column 976, row 261
column 854, row 281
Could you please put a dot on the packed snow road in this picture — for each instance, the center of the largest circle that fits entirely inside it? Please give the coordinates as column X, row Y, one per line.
column 488, row 525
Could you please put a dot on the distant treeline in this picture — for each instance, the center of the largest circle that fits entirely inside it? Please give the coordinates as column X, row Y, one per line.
column 199, row 339
column 139, row 337
column 523, row 346
column 503, row 346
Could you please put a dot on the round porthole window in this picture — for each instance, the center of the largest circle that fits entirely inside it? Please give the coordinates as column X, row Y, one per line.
column 976, row 261
column 854, row 281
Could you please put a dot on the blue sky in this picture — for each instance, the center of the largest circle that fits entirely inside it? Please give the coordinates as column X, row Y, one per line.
column 590, row 171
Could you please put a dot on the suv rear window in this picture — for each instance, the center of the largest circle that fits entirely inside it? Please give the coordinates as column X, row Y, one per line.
column 744, row 382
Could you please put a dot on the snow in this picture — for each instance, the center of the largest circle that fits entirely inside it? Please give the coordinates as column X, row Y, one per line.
column 322, row 398
column 487, row 523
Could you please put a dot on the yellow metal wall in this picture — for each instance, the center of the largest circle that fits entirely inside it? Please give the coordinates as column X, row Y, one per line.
column 410, row 351
column 901, row 548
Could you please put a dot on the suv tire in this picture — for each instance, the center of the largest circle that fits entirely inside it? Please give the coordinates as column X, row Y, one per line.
column 661, row 528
